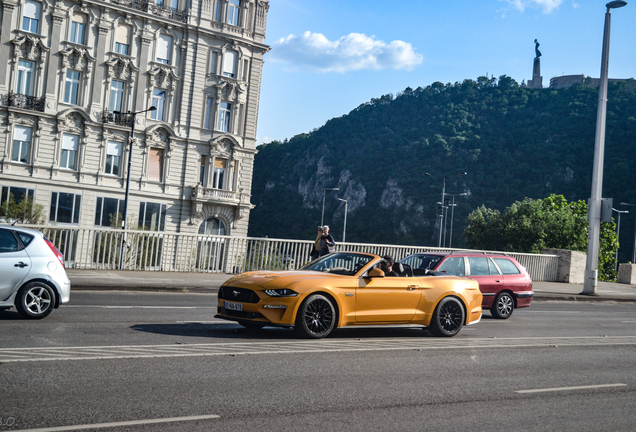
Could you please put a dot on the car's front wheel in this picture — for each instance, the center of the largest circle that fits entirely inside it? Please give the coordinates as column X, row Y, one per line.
column 316, row 317
column 503, row 307
column 448, row 318
column 35, row 300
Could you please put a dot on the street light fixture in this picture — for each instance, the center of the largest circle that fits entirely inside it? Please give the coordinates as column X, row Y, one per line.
column 453, row 205
column 322, row 218
column 594, row 211
column 634, row 252
column 439, row 243
column 618, row 231
column 344, row 230
column 131, row 117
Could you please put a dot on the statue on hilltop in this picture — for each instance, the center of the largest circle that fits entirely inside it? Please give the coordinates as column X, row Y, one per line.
column 536, row 49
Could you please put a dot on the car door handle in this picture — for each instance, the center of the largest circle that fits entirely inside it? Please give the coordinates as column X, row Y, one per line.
column 498, row 281
column 21, row 265
column 412, row 287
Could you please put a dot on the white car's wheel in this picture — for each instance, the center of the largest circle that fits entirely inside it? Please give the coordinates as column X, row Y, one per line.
column 35, row 300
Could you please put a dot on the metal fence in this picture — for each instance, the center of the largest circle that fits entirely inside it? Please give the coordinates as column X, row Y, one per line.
column 157, row 251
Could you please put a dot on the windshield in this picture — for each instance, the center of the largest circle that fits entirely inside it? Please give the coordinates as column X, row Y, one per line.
column 340, row 263
column 422, row 262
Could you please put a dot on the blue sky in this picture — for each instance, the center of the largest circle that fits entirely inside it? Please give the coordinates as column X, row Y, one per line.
column 328, row 56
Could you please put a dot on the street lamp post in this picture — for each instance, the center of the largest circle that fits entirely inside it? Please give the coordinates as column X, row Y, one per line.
column 131, row 116
column 618, row 233
column 453, row 205
column 344, row 230
column 322, row 218
column 634, row 251
column 594, row 211
column 441, row 221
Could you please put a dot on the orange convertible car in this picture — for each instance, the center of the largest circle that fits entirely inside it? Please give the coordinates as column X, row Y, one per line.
column 345, row 289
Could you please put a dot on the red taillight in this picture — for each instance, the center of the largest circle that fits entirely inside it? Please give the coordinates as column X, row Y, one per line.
column 56, row 251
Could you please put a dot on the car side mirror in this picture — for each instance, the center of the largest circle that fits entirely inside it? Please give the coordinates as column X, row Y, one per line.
column 376, row 272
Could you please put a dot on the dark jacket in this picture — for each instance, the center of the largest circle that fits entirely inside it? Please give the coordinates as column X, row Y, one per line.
column 326, row 241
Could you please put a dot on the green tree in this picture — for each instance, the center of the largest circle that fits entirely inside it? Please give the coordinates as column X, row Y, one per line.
column 23, row 212
column 533, row 225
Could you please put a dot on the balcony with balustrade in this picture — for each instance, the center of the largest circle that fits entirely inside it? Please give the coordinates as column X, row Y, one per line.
column 26, row 102
column 155, row 9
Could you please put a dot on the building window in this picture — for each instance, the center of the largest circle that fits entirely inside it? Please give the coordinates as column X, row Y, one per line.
column 219, row 173
column 217, row 13
column 109, row 212
column 214, row 58
column 212, row 226
column 122, row 40
column 113, row 157
column 21, row 144
column 164, row 48
column 229, row 64
column 116, row 95
column 209, row 113
column 152, row 216
column 15, row 194
column 202, row 170
column 31, row 18
column 26, row 71
column 78, row 29
column 72, row 87
column 65, row 207
column 225, row 114
column 246, row 69
column 155, row 164
column 233, row 13
column 159, row 102
column 70, row 144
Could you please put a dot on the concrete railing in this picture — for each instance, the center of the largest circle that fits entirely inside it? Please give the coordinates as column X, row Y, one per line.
column 158, row 251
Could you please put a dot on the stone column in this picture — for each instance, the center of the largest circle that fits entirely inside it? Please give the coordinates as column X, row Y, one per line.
column 142, row 83
column 8, row 10
column 53, row 68
column 97, row 103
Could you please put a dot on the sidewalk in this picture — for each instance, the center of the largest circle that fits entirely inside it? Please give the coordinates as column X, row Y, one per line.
column 113, row 280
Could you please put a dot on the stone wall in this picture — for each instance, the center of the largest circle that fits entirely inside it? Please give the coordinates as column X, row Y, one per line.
column 571, row 265
column 627, row 274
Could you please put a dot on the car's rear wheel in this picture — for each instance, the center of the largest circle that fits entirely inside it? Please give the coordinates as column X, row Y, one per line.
column 448, row 318
column 35, row 300
column 251, row 325
column 503, row 307
column 316, row 317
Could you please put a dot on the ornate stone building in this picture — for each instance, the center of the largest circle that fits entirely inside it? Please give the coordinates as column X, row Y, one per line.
column 77, row 76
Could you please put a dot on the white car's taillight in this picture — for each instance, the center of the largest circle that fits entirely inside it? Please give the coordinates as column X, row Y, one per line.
column 56, row 251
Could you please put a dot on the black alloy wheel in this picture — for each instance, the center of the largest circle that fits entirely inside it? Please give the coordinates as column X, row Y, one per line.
column 316, row 317
column 503, row 307
column 448, row 318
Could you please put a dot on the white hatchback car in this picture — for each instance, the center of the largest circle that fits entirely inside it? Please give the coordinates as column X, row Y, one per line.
column 33, row 277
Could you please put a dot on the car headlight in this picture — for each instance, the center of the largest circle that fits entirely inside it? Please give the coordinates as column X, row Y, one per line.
column 283, row 292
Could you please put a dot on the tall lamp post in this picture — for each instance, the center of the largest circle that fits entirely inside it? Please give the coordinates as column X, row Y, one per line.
column 594, row 211
column 322, row 218
column 439, row 242
column 131, row 116
column 453, row 205
column 344, row 230
column 618, row 232
column 634, row 251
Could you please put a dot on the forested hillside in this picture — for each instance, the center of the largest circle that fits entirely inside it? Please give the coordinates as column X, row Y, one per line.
column 512, row 141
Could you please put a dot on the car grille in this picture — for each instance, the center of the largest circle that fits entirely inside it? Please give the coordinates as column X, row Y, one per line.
column 242, row 295
column 241, row 314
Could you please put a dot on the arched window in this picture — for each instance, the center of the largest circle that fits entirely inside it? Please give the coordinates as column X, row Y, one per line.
column 78, row 28
column 122, row 39
column 164, row 49
column 212, row 226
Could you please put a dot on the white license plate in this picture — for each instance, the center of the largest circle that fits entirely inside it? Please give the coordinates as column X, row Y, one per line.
column 233, row 306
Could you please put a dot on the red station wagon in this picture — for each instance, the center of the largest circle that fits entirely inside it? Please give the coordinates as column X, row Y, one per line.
column 504, row 283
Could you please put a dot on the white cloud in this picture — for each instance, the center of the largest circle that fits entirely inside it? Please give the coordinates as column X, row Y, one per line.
column 314, row 51
column 547, row 5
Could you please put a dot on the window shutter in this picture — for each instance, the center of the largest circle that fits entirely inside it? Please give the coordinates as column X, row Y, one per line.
column 229, row 64
column 219, row 163
column 123, row 34
column 70, row 142
column 155, row 165
column 79, row 18
column 114, row 148
column 32, row 9
column 21, row 133
column 164, row 45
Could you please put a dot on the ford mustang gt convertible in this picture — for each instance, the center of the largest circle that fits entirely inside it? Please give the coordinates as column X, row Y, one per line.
column 349, row 288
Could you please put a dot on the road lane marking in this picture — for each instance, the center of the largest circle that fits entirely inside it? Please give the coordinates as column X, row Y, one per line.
column 570, row 388
column 13, row 355
column 124, row 423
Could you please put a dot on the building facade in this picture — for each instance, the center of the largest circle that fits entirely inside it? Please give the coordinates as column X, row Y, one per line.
column 83, row 82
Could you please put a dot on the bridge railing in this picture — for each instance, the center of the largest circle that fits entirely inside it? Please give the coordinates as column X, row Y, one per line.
column 157, row 251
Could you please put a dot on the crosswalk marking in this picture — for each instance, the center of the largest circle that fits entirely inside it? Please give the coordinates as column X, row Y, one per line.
column 13, row 355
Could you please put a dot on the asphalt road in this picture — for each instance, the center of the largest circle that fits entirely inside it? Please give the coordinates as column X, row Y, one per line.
column 125, row 361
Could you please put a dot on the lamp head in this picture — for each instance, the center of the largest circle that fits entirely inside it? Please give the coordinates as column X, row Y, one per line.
column 152, row 108
column 616, row 4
